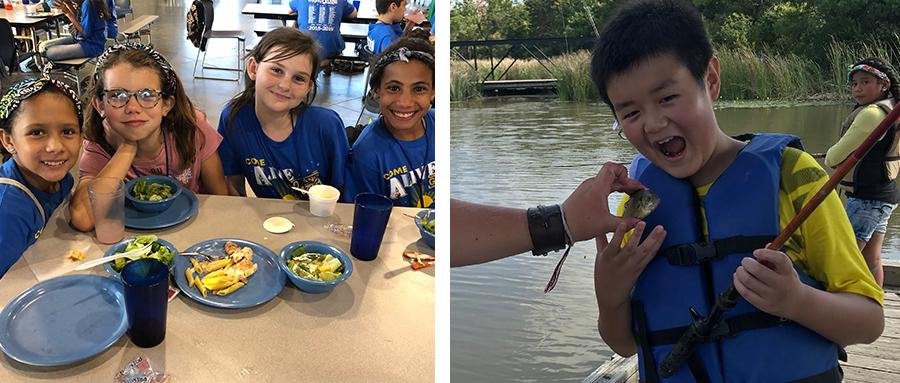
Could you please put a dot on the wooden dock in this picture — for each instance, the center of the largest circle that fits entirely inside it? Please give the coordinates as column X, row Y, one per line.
column 876, row 362
column 519, row 87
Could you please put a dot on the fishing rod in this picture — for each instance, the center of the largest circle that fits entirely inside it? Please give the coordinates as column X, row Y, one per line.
column 697, row 333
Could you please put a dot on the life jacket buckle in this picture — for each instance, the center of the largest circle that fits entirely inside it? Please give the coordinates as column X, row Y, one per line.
column 690, row 254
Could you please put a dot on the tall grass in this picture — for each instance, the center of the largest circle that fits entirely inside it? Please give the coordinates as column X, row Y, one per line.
column 573, row 73
column 842, row 55
column 465, row 83
column 747, row 74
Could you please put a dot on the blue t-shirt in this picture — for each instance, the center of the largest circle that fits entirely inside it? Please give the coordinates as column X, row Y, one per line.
column 94, row 27
column 21, row 223
column 322, row 19
column 381, row 35
column 112, row 25
column 400, row 170
column 315, row 153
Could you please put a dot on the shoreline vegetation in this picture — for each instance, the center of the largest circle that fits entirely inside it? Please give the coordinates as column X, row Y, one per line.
column 749, row 77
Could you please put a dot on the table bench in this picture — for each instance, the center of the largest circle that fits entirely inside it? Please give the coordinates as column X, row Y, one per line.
column 69, row 69
column 138, row 27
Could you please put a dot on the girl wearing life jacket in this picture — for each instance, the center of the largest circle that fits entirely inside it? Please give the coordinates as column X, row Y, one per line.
column 872, row 194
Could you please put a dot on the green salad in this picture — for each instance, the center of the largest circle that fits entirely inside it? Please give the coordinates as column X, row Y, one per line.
column 152, row 192
column 157, row 251
column 314, row 266
column 428, row 225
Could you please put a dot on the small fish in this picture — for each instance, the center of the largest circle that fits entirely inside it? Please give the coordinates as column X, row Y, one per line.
column 640, row 203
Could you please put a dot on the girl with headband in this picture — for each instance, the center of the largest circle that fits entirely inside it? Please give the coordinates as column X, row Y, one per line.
column 43, row 148
column 274, row 137
column 142, row 123
column 394, row 155
column 872, row 194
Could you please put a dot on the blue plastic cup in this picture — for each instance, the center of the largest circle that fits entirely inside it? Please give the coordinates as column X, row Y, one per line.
column 356, row 5
column 146, row 288
column 370, row 217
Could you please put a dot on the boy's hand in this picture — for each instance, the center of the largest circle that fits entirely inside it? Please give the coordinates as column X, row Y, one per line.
column 587, row 209
column 770, row 282
column 617, row 269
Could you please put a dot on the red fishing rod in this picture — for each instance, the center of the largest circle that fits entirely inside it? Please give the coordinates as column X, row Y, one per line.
column 699, row 330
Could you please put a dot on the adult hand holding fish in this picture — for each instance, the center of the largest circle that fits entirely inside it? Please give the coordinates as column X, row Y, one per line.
column 483, row 233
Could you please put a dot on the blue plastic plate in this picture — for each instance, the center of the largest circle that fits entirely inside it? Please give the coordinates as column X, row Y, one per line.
column 183, row 208
column 63, row 320
column 261, row 287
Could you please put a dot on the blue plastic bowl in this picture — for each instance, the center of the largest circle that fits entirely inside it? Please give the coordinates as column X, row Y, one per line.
column 315, row 287
column 153, row 206
column 120, row 248
column 426, row 235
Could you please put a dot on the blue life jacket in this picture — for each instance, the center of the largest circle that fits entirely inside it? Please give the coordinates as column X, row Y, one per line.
column 742, row 215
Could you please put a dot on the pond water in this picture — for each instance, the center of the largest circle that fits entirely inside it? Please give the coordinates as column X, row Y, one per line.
column 525, row 152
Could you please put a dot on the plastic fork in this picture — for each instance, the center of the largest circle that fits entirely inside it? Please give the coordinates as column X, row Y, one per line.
column 211, row 258
column 133, row 255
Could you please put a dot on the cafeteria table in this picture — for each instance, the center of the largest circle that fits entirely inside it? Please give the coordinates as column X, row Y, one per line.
column 377, row 326
column 18, row 18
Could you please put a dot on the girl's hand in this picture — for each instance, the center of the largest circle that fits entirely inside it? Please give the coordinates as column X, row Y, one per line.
column 770, row 283
column 616, row 270
column 587, row 210
column 115, row 139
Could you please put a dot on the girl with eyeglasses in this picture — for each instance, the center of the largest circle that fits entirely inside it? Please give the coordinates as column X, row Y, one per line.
column 38, row 150
column 142, row 123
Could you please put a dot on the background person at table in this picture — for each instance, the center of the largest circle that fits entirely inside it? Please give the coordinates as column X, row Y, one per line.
column 872, row 193
column 88, row 32
column 322, row 20
column 386, row 30
column 394, row 155
column 275, row 138
column 112, row 24
column 142, row 123
column 483, row 233
column 653, row 66
column 43, row 147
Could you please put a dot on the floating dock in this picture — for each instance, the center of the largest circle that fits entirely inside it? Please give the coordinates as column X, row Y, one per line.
column 519, row 87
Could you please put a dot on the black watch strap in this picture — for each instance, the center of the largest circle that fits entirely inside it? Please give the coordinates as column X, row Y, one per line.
column 547, row 229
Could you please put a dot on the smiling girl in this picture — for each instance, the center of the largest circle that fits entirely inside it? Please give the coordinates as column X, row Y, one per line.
column 43, row 147
column 872, row 194
column 142, row 123
column 274, row 138
column 394, row 155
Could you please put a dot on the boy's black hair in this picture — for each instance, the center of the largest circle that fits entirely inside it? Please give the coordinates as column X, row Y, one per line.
column 888, row 70
column 648, row 29
column 382, row 6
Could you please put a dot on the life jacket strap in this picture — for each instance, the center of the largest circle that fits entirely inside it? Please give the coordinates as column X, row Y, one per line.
column 727, row 328
column 691, row 254
column 834, row 375
column 640, row 337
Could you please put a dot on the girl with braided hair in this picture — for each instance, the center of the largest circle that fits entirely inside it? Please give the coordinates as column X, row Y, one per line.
column 394, row 155
column 39, row 149
column 871, row 189
column 142, row 123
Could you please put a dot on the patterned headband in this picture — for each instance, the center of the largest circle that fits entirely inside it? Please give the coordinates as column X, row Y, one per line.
column 167, row 69
column 867, row 68
column 404, row 54
column 25, row 89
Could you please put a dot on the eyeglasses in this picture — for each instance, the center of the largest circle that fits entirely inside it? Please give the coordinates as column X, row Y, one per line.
column 146, row 98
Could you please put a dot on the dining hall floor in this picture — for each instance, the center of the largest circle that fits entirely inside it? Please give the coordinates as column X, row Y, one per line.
column 340, row 92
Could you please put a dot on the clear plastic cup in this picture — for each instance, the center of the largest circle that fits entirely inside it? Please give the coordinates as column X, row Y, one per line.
column 107, row 196
column 322, row 200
